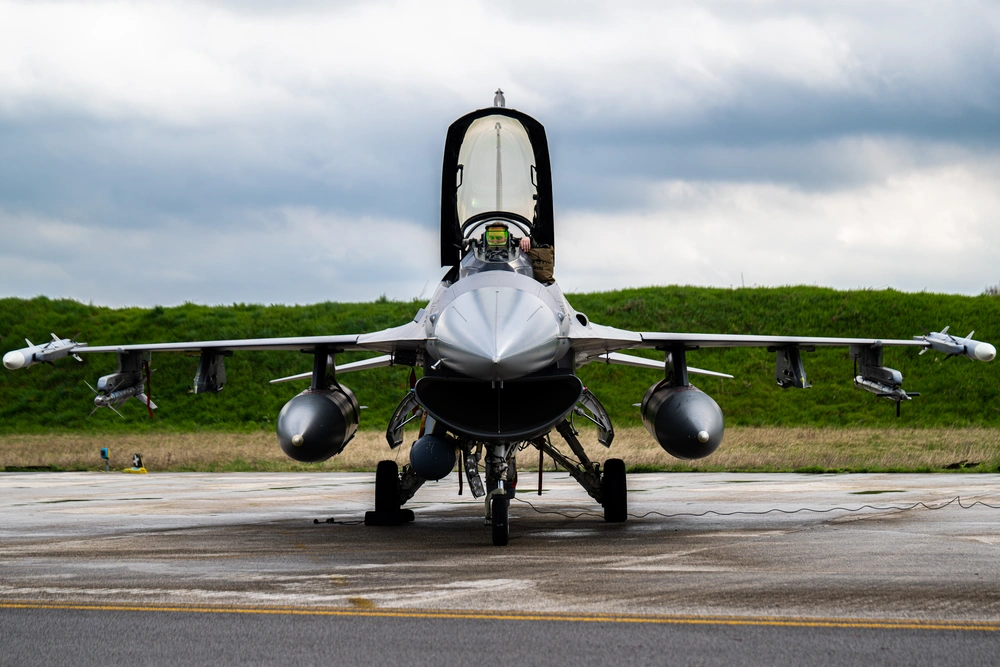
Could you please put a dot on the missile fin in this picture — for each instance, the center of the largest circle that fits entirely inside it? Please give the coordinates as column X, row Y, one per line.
column 146, row 400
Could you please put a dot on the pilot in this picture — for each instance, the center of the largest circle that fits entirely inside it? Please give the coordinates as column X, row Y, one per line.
column 498, row 240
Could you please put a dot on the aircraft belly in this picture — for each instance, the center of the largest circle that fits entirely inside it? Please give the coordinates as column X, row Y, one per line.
column 499, row 411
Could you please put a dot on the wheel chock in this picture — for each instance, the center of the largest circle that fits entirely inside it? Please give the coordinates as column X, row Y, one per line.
column 398, row 518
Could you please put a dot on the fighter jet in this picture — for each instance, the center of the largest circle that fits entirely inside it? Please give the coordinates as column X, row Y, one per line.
column 498, row 347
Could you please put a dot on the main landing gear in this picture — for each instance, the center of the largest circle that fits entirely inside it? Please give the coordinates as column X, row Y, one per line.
column 607, row 486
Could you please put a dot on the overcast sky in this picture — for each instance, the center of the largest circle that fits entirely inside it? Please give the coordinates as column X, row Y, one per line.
column 281, row 152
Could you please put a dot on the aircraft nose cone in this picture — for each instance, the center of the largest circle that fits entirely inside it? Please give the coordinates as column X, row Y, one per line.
column 984, row 352
column 497, row 333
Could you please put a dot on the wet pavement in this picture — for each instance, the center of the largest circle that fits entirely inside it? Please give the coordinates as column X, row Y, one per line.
column 250, row 540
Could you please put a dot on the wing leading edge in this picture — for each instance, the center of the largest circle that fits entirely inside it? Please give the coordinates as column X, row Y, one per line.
column 699, row 340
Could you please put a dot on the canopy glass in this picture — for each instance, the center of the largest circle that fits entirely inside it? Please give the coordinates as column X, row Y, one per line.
column 496, row 169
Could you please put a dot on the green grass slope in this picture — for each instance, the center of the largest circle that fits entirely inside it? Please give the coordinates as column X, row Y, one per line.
column 956, row 392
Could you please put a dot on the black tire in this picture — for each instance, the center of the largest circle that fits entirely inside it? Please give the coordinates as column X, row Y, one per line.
column 387, row 487
column 614, row 491
column 498, row 520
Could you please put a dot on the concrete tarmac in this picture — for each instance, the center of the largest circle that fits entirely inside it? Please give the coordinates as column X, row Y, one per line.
column 76, row 546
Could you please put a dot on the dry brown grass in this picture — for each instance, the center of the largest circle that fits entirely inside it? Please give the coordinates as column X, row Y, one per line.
column 744, row 449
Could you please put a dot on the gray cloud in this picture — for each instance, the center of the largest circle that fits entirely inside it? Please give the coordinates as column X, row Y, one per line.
column 196, row 143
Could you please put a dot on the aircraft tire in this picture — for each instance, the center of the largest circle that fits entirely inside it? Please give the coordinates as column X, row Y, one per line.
column 499, row 520
column 614, row 491
column 387, row 487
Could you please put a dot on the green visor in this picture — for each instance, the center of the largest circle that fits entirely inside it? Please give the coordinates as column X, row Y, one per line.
column 496, row 236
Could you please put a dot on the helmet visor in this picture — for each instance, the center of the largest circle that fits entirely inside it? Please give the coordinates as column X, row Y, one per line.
column 496, row 236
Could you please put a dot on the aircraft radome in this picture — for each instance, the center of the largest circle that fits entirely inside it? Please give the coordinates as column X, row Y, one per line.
column 498, row 346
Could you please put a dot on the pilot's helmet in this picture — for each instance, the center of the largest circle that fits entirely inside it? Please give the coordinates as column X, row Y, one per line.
column 497, row 235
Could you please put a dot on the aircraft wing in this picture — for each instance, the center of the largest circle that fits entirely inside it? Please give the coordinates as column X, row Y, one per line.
column 387, row 340
column 593, row 341
column 293, row 343
column 698, row 340
column 596, row 340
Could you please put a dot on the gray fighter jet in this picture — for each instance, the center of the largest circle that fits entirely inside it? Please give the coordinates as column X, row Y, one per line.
column 498, row 346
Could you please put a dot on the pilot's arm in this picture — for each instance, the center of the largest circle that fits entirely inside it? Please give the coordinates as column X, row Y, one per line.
column 525, row 243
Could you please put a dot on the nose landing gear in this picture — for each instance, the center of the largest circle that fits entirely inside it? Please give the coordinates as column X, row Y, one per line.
column 501, row 480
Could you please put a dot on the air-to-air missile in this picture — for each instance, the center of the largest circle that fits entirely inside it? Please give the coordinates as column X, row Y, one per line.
column 895, row 393
column 130, row 381
column 944, row 342
column 119, row 396
column 57, row 348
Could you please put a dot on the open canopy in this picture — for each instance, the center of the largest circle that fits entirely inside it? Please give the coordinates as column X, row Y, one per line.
column 496, row 163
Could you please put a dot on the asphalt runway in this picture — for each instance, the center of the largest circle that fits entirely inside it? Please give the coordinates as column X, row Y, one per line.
column 196, row 568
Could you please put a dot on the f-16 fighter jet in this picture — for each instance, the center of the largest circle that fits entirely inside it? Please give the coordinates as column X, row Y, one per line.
column 498, row 347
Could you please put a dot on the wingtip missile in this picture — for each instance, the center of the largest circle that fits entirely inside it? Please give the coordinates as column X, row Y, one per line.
column 945, row 343
column 57, row 348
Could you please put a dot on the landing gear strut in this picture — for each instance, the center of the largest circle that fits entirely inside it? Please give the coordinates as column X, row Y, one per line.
column 607, row 488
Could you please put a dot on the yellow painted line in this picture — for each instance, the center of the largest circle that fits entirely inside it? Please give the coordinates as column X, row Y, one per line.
column 773, row 621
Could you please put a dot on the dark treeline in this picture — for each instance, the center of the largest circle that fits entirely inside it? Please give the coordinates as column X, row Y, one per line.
column 956, row 392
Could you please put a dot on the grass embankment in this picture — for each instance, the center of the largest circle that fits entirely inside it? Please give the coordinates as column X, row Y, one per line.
column 800, row 449
column 832, row 426
column 955, row 393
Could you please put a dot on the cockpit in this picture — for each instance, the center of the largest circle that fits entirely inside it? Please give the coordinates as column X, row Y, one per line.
column 496, row 189
column 494, row 248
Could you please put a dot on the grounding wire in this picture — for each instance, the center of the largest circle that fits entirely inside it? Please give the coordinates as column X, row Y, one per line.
column 899, row 508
